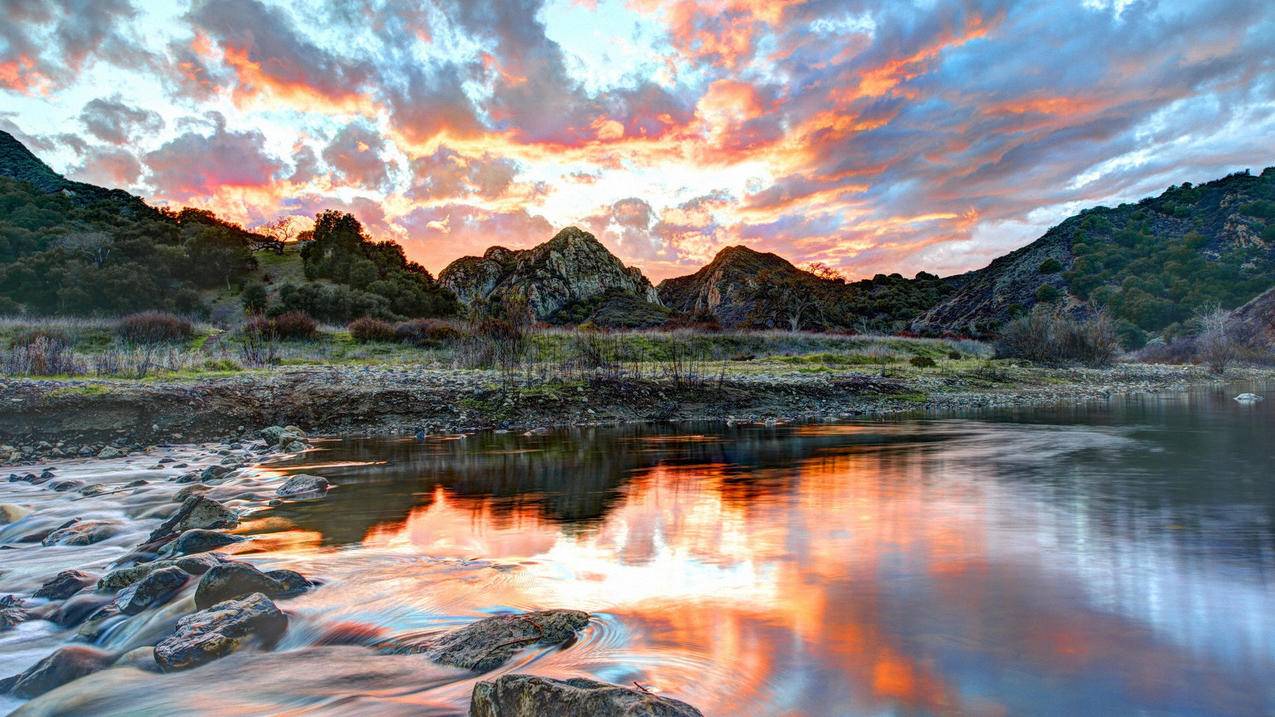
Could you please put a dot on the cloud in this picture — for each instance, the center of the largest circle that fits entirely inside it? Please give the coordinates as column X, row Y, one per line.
column 44, row 45
column 198, row 165
column 447, row 174
column 438, row 235
column 111, row 120
column 355, row 155
column 108, row 167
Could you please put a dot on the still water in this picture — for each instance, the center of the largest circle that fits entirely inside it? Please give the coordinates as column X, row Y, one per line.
column 1115, row 558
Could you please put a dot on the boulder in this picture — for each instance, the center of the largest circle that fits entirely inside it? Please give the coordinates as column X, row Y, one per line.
column 80, row 607
column 220, row 630
column 212, row 473
column 488, row 643
column 231, row 580
column 198, row 540
column 66, row 664
column 10, row 513
column 83, row 532
column 111, row 452
column 64, row 585
column 195, row 512
column 282, row 435
column 303, row 486
column 121, row 578
column 13, row 610
column 154, row 589
column 142, row 658
column 532, row 696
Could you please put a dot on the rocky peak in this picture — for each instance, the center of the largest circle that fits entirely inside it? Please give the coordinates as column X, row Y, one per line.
column 726, row 286
column 573, row 266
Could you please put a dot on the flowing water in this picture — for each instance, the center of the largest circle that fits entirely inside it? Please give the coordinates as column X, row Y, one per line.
column 1111, row 558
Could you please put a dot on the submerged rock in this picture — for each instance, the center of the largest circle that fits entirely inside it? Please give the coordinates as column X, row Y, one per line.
column 231, row 580
column 66, row 664
column 78, row 608
column 220, row 630
column 64, row 585
column 199, row 540
column 154, row 589
column 195, row 512
column 488, row 643
column 83, row 532
column 141, row 658
column 303, row 486
column 532, row 696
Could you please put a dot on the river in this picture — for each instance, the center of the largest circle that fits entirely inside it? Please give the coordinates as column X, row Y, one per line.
column 1107, row 558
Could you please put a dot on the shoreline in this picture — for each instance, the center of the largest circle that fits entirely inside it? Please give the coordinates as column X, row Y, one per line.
column 64, row 418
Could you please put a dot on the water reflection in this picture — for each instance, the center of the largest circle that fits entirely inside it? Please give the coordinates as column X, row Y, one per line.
column 1112, row 560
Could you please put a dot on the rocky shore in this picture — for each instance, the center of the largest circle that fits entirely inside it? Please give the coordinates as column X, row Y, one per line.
column 108, row 418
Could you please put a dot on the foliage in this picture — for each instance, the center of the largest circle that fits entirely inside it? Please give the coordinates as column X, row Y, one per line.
column 1047, row 335
column 369, row 329
column 294, row 325
column 1050, row 266
column 922, row 362
column 1048, row 294
column 154, row 327
column 1215, row 343
column 254, row 298
column 426, row 332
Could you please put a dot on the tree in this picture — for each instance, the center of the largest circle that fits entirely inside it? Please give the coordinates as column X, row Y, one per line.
column 254, row 298
column 1215, row 343
column 825, row 272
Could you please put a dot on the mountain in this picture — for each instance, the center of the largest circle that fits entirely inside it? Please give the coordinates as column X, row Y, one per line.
column 1254, row 322
column 18, row 163
column 729, row 286
column 562, row 275
column 1152, row 265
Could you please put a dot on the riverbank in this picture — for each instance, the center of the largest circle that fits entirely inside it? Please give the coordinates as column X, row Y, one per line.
column 63, row 417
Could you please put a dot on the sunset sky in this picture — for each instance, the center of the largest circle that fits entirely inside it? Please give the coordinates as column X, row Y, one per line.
column 874, row 136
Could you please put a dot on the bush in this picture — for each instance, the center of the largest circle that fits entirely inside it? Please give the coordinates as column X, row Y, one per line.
column 369, row 329
column 41, row 356
column 1216, row 343
column 954, row 355
column 154, row 327
column 294, row 325
column 1050, row 266
column 1048, row 294
column 259, row 327
column 254, row 298
column 426, row 332
column 1047, row 335
column 922, row 362
column 700, row 320
column 30, row 337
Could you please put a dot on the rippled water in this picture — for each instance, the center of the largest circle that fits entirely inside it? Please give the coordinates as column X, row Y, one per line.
column 1114, row 558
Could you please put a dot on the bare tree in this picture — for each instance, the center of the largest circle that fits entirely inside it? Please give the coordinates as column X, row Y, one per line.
column 1215, row 343
column 825, row 272
column 94, row 245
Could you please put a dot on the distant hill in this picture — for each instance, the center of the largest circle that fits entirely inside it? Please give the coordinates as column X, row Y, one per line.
column 18, row 163
column 570, row 270
column 729, row 287
column 1152, row 264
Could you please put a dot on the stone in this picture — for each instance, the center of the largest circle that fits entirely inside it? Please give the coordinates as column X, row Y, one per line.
column 199, row 540
column 65, row 664
column 83, row 532
column 293, row 583
column 13, row 610
column 63, row 486
column 111, row 452
column 212, row 473
column 79, row 608
column 1248, row 398
column 64, row 585
column 152, row 590
column 294, row 446
column 488, row 643
column 142, row 658
column 190, row 490
column 219, row 630
column 11, row 513
column 303, row 485
column 195, row 512
column 282, row 435
column 121, row 578
column 531, row 696
column 232, row 580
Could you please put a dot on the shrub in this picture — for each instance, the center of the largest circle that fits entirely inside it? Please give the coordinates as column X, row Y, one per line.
column 369, row 329
column 154, row 327
column 1048, row 294
column 259, row 327
column 294, row 325
column 922, row 362
column 699, row 320
column 426, row 332
column 42, row 356
column 1215, row 344
column 1048, row 335
column 1050, row 266
column 954, row 355
column 254, row 298
column 29, row 337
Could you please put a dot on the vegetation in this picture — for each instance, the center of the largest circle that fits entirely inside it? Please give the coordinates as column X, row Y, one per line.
column 1048, row 335
column 154, row 327
column 369, row 329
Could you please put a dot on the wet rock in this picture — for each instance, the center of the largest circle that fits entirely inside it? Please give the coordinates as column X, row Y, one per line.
column 190, row 490
column 488, row 643
column 64, row 585
column 11, row 513
column 111, row 452
column 195, row 512
column 212, row 473
column 63, row 486
column 83, row 532
column 66, row 664
column 121, row 578
column 189, row 477
column 293, row 583
column 531, row 696
column 303, row 486
column 231, row 580
column 281, row 435
column 198, row 540
column 78, row 608
column 154, row 589
column 293, row 446
column 13, row 610
column 142, row 658
column 93, row 489
column 220, row 630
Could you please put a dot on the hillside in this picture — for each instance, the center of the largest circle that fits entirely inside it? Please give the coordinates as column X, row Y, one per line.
column 1152, row 264
column 570, row 269
column 18, row 163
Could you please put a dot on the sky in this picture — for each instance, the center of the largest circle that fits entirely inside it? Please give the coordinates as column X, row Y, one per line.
column 871, row 136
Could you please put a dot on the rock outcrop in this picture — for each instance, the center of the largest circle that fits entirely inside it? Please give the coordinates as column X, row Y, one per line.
column 571, row 267
column 531, row 696
column 728, row 285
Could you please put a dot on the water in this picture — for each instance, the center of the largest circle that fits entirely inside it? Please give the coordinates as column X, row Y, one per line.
column 1111, row 558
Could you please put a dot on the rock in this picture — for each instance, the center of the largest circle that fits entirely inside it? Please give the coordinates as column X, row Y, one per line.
column 195, row 512
column 293, row 583
column 92, row 489
column 82, row 532
column 13, row 610
column 282, row 435
column 142, row 658
column 532, row 696
column 198, row 540
column 294, row 446
column 66, row 664
column 11, row 513
column 190, row 490
column 212, row 473
column 64, row 585
column 220, row 630
column 231, row 580
column 111, row 452
column 1248, row 398
column 63, row 486
column 154, row 589
column 79, row 607
column 488, row 643
column 303, row 486
column 121, row 578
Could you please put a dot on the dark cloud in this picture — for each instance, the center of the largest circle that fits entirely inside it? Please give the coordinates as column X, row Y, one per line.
column 449, row 174
column 111, row 120
column 355, row 156
column 198, row 165
column 44, row 44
